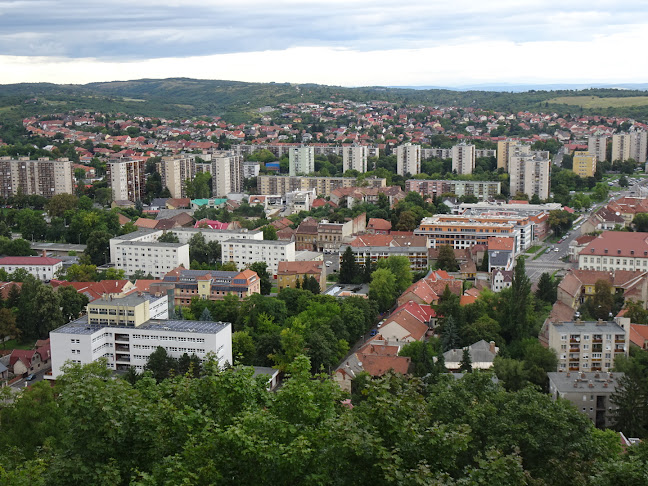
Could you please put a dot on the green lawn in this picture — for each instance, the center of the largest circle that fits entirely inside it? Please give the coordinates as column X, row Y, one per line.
column 13, row 344
column 533, row 249
column 541, row 253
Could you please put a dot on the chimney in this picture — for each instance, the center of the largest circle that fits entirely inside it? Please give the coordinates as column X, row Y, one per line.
column 44, row 253
column 492, row 347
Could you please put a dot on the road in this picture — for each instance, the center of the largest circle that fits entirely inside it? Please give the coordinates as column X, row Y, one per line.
column 20, row 384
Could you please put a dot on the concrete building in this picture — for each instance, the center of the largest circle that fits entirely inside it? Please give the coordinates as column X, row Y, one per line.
column 408, row 159
column 127, row 179
column 463, row 159
column 354, row 158
column 597, row 146
column 616, row 250
column 245, row 252
column 174, row 171
column 42, row 268
column 434, row 188
column 638, row 146
column 141, row 250
column 621, row 146
column 377, row 247
column 436, row 153
column 301, row 160
column 589, row 346
column 324, row 186
column 251, row 169
column 42, row 177
column 503, row 150
column 125, row 344
column 530, row 174
column 185, row 234
column 584, row 164
column 130, row 310
column 211, row 284
column 588, row 392
column 227, row 173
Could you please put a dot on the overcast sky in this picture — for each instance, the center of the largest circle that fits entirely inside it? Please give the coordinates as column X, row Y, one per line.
column 350, row 43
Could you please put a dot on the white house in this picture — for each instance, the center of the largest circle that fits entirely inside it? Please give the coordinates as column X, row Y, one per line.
column 43, row 268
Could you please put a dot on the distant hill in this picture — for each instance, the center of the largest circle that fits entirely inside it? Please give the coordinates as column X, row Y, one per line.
column 238, row 101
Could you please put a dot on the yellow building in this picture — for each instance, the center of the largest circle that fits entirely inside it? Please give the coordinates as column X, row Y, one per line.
column 131, row 310
column 584, row 164
column 503, row 149
column 289, row 272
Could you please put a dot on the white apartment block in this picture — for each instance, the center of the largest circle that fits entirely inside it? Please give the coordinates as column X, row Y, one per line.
column 354, row 158
column 185, row 234
column 530, row 174
column 435, row 152
column 589, row 346
column 485, row 153
column 43, row 177
column 301, row 160
column 227, row 173
column 125, row 332
column 42, row 268
column 174, row 171
column 408, row 159
column 616, row 250
column 597, row 146
column 463, row 159
column 251, row 169
column 638, row 146
column 126, row 179
column 141, row 251
column 246, row 252
column 620, row 146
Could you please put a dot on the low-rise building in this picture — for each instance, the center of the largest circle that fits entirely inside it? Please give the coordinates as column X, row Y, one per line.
column 42, row 268
column 377, row 247
column 289, row 272
column 482, row 356
column 589, row 392
column 616, row 250
column 153, row 258
column 211, row 284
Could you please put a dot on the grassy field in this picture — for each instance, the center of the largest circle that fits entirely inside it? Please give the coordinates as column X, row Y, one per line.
column 13, row 344
column 596, row 102
column 533, row 249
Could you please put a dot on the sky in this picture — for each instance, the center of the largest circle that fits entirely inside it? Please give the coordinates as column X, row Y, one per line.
column 349, row 43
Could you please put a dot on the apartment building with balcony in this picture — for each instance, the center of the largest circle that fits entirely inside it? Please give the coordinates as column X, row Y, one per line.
column 621, row 144
column 584, row 164
column 434, row 188
column 408, row 159
column 530, row 173
column 227, row 173
column 43, row 177
column 323, row 186
column 354, row 157
column 127, row 179
column 174, row 171
column 589, row 345
column 301, row 160
column 463, row 159
column 597, row 146
column 125, row 333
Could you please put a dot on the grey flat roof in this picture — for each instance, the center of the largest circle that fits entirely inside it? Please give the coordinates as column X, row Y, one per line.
column 564, row 382
column 131, row 299
column 588, row 326
column 57, row 246
column 260, row 242
column 213, row 230
column 81, row 326
column 153, row 244
column 136, row 234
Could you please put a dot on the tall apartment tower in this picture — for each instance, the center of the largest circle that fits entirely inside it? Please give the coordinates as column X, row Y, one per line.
column 127, row 179
column 639, row 146
column 597, row 145
column 530, row 174
column 354, row 158
column 43, row 177
column 408, row 159
column 174, row 171
column 227, row 173
column 301, row 160
column 463, row 159
column 503, row 150
column 620, row 146
column 584, row 164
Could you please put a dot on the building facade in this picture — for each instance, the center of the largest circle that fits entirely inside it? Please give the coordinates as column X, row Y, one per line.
column 584, row 164
column 463, row 159
column 42, row 268
column 434, row 188
column 620, row 146
column 408, row 159
column 42, row 177
column 354, row 158
column 143, row 252
column 597, row 146
column 174, row 171
column 323, row 186
column 289, row 272
column 638, row 146
column 127, row 179
column 227, row 173
column 530, row 174
column 211, row 284
column 246, row 252
column 301, row 160
column 616, row 250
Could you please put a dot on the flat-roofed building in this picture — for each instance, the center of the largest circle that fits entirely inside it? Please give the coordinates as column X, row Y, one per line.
column 584, row 164
column 463, row 159
column 621, row 146
column 174, row 171
column 597, row 146
column 408, row 159
column 127, row 179
column 42, row 177
column 638, row 146
column 324, row 186
column 246, row 252
column 589, row 345
column 354, row 158
column 434, row 188
column 301, row 160
column 530, row 174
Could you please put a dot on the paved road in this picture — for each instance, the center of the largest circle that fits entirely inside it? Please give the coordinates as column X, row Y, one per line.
column 22, row 383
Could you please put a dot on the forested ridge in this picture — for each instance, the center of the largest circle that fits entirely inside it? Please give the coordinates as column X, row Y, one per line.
column 237, row 101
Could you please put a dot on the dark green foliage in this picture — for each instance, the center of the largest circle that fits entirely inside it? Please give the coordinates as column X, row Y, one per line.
column 547, row 289
column 348, row 267
column 465, row 365
column 169, row 237
column 98, row 247
column 446, row 260
column 261, row 268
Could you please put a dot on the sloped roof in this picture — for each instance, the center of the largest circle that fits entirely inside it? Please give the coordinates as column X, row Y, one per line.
column 639, row 334
column 379, row 224
column 31, row 260
column 146, row 223
column 300, row 268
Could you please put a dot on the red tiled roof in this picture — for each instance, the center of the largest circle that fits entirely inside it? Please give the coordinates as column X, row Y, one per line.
column 618, row 243
column 639, row 334
column 379, row 224
column 503, row 244
column 33, row 260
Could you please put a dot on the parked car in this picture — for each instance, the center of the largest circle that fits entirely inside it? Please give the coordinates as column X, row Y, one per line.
column 328, row 264
column 373, row 332
column 31, row 377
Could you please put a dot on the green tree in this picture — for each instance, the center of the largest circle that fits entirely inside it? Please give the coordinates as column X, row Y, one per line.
column 269, row 232
column 348, row 267
column 169, row 237
column 600, row 305
column 446, row 259
column 60, row 203
column 243, row 348
column 517, row 322
column 382, row 289
column 98, row 247
column 399, row 266
column 73, row 303
column 160, row 364
column 547, row 289
column 8, row 326
column 640, row 222
column 465, row 365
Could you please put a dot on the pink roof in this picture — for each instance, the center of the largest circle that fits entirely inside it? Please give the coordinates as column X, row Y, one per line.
column 210, row 223
column 34, row 260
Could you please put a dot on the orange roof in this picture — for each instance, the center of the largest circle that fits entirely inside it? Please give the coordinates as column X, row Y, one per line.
column 143, row 285
column 379, row 365
column 467, row 299
column 146, row 223
column 379, row 224
column 498, row 243
column 300, row 268
column 639, row 334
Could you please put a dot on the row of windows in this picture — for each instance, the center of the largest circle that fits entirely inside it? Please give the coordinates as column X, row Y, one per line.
column 169, row 338
column 618, row 261
column 102, row 336
column 99, row 348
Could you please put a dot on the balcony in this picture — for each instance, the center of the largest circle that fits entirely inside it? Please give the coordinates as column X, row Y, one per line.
column 122, row 347
column 122, row 337
column 123, row 357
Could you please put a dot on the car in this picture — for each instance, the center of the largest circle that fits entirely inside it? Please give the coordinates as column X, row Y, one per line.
column 31, row 377
column 556, row 249
column 328, row 264
column 373, row 332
